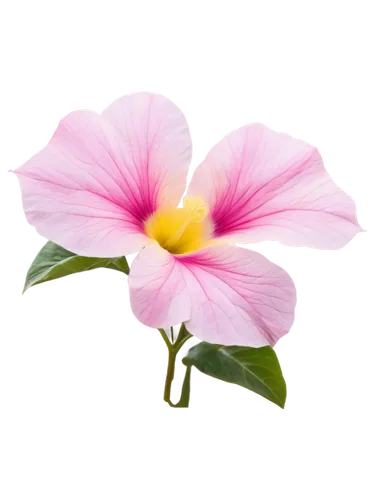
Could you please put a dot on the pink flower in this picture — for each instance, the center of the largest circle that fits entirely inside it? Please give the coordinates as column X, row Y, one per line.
column 108, row 185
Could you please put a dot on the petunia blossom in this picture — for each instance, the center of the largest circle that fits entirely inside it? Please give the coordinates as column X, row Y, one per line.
column 110, row 184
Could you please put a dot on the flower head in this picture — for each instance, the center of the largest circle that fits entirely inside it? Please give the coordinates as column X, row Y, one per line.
column 110, row 185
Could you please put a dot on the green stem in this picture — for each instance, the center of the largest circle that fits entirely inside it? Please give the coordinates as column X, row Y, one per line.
column 173, row 350
column 170, row 375
column 184, row 400
column 165, row 337
column 183, row 336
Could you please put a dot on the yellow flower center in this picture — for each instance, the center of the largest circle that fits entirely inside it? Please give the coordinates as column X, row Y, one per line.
column 181, row 230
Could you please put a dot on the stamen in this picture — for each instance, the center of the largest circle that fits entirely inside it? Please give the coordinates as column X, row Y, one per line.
column 197, row 207
column 181, row 230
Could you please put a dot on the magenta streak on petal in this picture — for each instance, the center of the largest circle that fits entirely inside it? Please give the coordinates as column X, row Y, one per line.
column 225, row 270
column 134, row 208
column 139, row 212
column 251, row 221
column 132, row 200
column 143, row 206
column 247, row 293
column 235, row 216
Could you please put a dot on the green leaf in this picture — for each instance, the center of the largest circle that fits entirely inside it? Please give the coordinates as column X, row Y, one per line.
column 54, row 262
column 255, row 369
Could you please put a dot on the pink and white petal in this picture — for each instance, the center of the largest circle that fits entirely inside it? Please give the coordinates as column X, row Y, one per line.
column 158, row 294
column 91, row 189
column 263, row 185
column 74, row 191
column 225, row 295
column 157, row 145
column 238, row 297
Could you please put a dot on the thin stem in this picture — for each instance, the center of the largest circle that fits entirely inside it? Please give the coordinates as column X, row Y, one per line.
column 170, row 375
column 172, row 337
column 183, row 336
column 173, row 349
column 165, row 337
column 184, row 399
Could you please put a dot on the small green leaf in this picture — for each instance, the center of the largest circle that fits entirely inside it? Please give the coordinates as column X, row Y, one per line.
column 255, row 369
column 54, row 262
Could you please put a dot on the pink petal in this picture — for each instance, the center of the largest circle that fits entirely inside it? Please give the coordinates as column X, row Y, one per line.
column 99, row 178
column 262, row 185
column 158, row 294
column 226, row 295
column 157, row 145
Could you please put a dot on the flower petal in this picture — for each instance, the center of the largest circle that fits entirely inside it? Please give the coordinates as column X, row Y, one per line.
column 101, row 176
column 225, row 294
column 262, row 185
column 158, row 294
column 157, row 145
